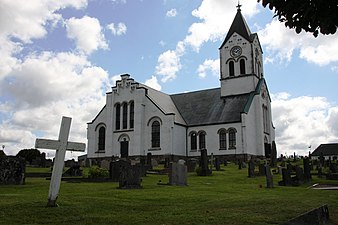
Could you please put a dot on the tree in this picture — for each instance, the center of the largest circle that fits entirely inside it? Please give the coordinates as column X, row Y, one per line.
column 29, row 154
column 309, row 15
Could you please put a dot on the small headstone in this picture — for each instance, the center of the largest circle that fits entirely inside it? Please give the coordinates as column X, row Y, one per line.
column 269, row 180
column 286, row 178
column 307, row 169
column 251, row 168
column 130, row 176
column 178, row 173
column 261, row 169
column 149, row 162
column 12, row 170
column 105, row 164
column 192, row 164
column 273, row 161
column 217, row 164
column 74, row 170
column 203, row 167
column 299, row 178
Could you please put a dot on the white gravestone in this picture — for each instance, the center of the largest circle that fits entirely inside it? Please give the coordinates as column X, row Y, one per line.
column 61, row 146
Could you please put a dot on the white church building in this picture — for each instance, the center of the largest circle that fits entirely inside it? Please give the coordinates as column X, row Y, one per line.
column 233, row 121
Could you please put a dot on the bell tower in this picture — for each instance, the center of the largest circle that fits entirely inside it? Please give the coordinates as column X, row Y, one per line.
column 240, row 58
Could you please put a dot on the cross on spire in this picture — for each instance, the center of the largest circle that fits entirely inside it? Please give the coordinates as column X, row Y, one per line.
column 238, row 6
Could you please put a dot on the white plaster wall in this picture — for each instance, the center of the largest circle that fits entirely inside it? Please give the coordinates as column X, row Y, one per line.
column 238, row 85
column 179, row 140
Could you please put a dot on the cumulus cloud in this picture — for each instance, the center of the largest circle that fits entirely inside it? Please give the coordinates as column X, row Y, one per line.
column 303, row 121
column 118, row 29
column 168, row 65
column 153, row 83
column 322, row 50
column 209, row 65
column 171, row 13
column 87, row 33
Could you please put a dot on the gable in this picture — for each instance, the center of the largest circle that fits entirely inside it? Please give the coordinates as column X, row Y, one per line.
column 207, row 107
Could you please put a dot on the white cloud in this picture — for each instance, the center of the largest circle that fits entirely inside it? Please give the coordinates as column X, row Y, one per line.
column 303, row 121
column 43, row 88
column 209, row 65
column 87, row 33
column 171, row 13
column 168, row 65
column 321, row 50
column 153, row 83
column 118, row 30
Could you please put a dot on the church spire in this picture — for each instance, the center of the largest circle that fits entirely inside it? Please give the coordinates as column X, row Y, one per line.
column 239, row 26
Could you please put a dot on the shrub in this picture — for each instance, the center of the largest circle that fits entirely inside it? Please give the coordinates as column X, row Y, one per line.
column 97, row 172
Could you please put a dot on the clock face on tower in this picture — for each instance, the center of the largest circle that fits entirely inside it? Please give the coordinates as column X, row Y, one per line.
column 236, row 51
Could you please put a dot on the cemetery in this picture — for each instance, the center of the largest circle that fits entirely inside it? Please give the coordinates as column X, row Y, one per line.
column 225, row 193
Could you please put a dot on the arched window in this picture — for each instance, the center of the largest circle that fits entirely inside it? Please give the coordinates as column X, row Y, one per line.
column 231, row 68
column 155, row 134
column 222, row 139
column 201, row 140
column 117, row 116
column 124, row 115
column 193, row 141
column 242, row 66
column 265, row 119
column 102, row 139
column 232, row 138
column 131, row 115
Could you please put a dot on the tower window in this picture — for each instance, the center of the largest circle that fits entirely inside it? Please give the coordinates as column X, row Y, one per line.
column 242, row 66
column 231, row 68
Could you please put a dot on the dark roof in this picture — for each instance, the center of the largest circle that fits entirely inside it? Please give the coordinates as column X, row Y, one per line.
column 239, row 26
column 207, row 107
column 2, row 153
column 326, row 149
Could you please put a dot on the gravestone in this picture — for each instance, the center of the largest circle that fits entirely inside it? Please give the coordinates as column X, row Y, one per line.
column 61, row 146
column 225, row 163
column 333, row 168
column 273, row 161
column 130, row 176
column 178, row 173
column 12, row 170
column 251, row 168
column 322, row 159
column 192, row 164
column 203, row 167
column 239, row 164
column 149, row 162
column 286, row 178
column 217, row 164
column 74, row 170
column 211, row 161
column 299, row 178
column 307, row 169
column 318, row 216
column 115, row 168
column 261, row 169
column 105, row 164
column 268, row 174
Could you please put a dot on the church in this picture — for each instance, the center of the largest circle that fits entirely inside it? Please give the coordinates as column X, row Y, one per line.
column 230, row 122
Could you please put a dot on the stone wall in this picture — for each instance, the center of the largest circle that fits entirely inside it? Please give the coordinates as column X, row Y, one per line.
column 12, row 170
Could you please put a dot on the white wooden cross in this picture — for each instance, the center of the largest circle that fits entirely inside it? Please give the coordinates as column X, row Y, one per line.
column 61, row 146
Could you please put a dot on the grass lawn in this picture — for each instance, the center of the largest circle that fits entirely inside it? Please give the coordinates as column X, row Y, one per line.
column 226, row 197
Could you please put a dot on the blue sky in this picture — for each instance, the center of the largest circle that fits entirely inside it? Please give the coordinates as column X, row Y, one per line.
column 60, row 58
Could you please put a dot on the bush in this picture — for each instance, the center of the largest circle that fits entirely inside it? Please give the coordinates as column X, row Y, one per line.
column 97, row 172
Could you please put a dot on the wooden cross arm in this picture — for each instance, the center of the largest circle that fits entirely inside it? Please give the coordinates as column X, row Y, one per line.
column 53, row 144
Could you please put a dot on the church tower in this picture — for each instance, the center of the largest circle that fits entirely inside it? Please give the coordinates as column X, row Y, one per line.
column 240, row 58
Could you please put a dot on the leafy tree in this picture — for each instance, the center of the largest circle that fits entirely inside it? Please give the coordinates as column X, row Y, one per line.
column 29, row 154
column 309, row 15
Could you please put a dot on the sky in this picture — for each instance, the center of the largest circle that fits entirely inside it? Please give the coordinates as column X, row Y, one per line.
column 59, row 58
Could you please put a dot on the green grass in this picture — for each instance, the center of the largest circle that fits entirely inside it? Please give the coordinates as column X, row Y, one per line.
column 226, row 197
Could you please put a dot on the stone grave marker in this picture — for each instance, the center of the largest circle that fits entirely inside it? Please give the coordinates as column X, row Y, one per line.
column 268, row 175
column 74, row 170
column 192, row 164
column 130, row 176
column 149, row 161
column 61, row 146
column 105, row 164
column 286, row 178
column 307, row 169
column 178, row 173
column 217, row 164
column 251, row 168
column 12, row 170
column 299, row 178
column 203, row 167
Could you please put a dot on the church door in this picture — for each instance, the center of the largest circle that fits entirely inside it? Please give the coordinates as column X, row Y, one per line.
column 124, row 149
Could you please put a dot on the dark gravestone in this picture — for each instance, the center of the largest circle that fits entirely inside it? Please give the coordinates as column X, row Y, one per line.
column 130, row 176
column 74, row 170
column 217, row 164
column 251, row 169
column 115, row 169
column 333, row 168
column 286, row 178
column 261, row 169
column 12, row 170
column 307, row 169
column 273, row 161
column 268, row 174
column 299, row 178
column 225, row 163
column 178, row 173
column 192, row 164
column 149, row 164
column 203, row 167
column 321, row 159
column 318, row 216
